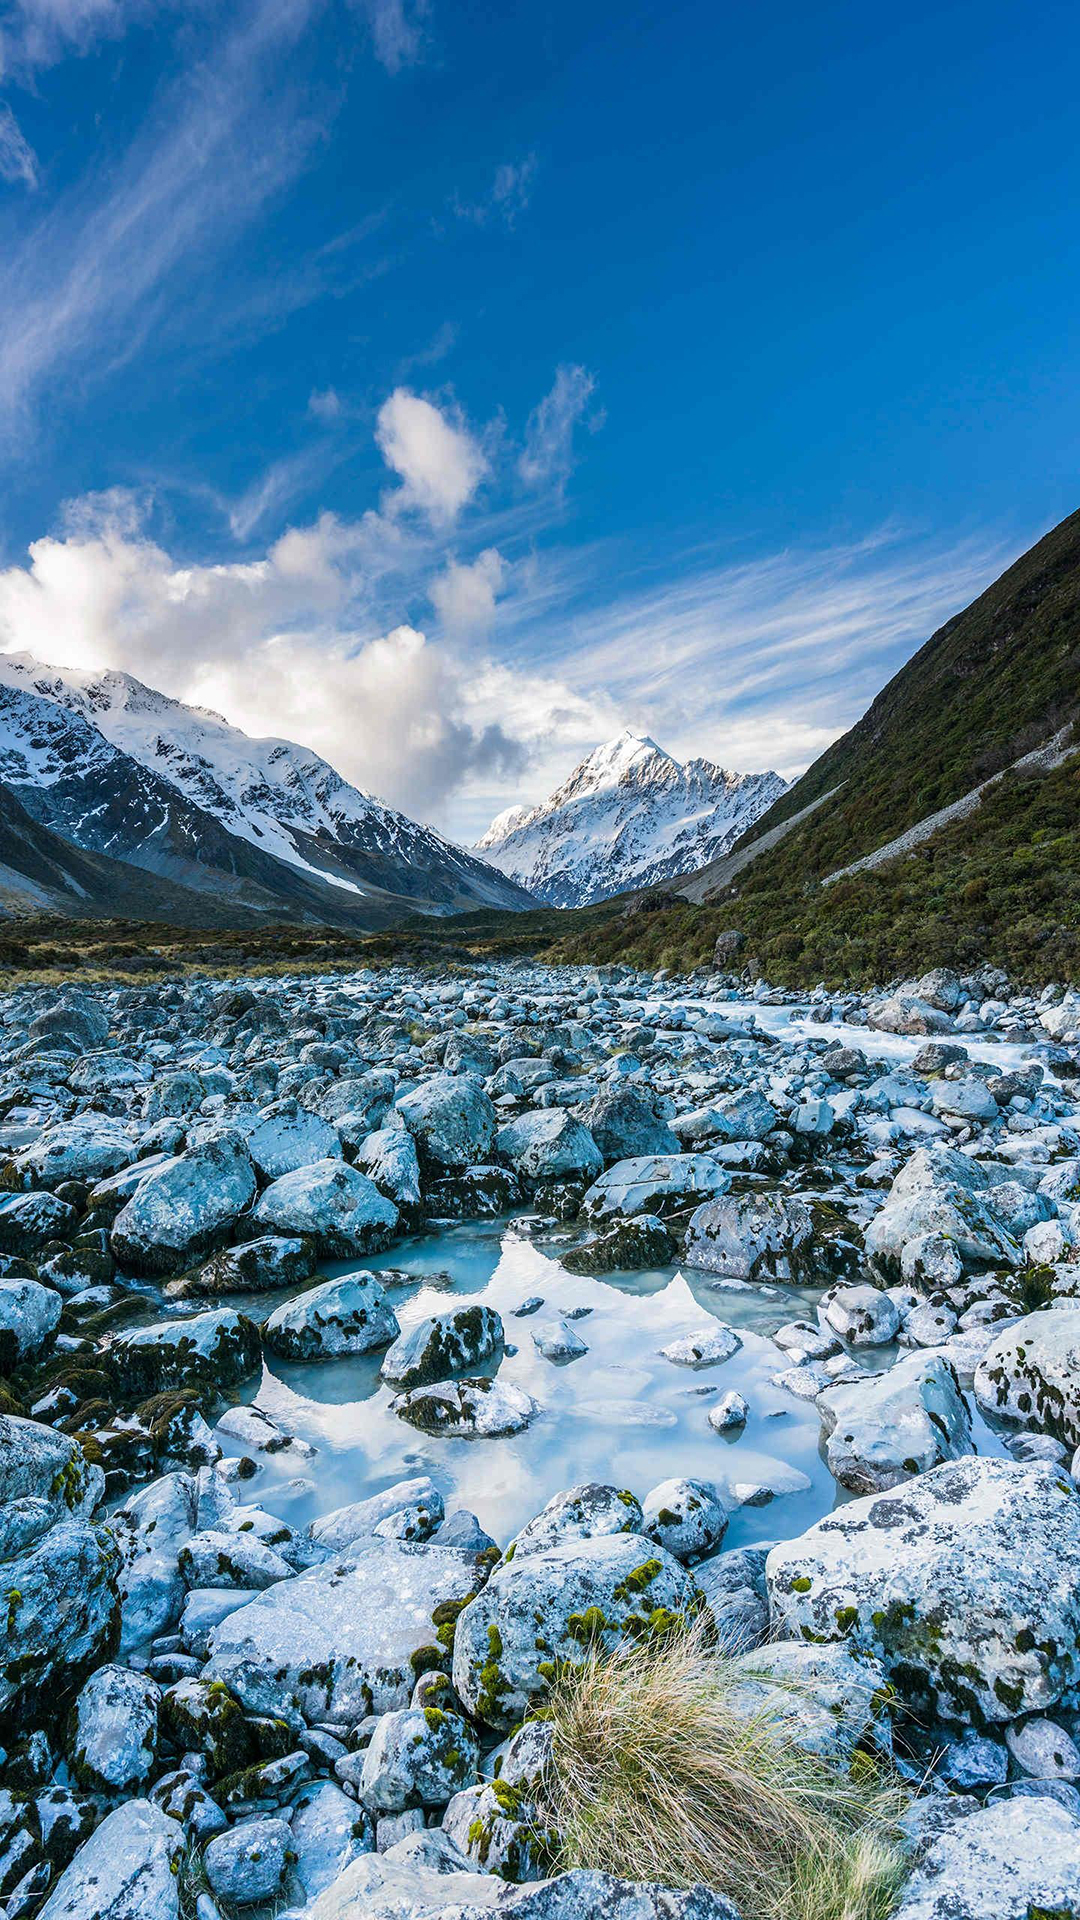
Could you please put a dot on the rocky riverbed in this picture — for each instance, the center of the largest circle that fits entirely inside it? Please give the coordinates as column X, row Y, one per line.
column 371, row 1345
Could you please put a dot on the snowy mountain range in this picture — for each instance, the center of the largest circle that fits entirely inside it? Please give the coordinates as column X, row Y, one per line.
column 260, row 826
column 629, row 816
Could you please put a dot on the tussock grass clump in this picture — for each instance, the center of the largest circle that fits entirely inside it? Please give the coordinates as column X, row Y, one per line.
column 655, row 1775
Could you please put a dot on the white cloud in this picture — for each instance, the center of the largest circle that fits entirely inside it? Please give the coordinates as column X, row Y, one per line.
column 549, row 435
column 440, row 463
column 83, row 288
column 464, row 595
column 764, row 663
column 38, row 33
column 398, row 31
column 325, row 405
column 281, row 644
column 507, row 197
column 17, row 158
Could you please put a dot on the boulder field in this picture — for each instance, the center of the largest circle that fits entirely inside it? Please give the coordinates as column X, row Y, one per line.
column 208, row 1710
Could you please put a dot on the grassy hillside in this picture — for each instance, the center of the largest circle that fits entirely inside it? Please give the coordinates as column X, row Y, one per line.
column 1002, row 884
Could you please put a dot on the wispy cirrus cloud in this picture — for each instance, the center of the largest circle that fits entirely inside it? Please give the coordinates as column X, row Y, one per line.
column 84, row 286
column 18, row 161
column 399, row 31
column 507, row 197
column 548, row 453
column 765, row 662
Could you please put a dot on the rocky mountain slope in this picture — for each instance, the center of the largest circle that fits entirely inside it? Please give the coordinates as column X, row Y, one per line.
column 262, row 826
column 941, row 829
column 629, row 816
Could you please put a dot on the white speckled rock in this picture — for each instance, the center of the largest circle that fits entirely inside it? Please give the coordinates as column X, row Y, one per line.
column 418, row 1757
column 862, row 1315
column 62, row 1611
column 1031, row 1374
column 550, row 1144
column 127, row 1870
column 1043, row 1750
column 965, row 1583
column 327, row 1831
column 88, row 1148
column 348, row 1315
column 826, row 1700
column 150, row 1530
column 545, row 1607
column 652, row 1182
column 287, row 1138
column 44, row 1477
column 29, row 1315
column 341, row 1209
column 442, row 1344
column 115, row 1730
column 451, row 1119
column 417, row 1503
column 246, row 1865
column 336, row 1642
column 585, row 1512
column 751, row 1236
column 469, row 1409
column 184, row 1209
column 1012, row 1860
column 712, row 1344
column 687, row 1517
column 885, row 1427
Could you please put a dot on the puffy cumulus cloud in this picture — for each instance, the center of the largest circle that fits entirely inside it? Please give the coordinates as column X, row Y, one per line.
column 547, row 456
column 440, row 463
column 464, row 595
column 284, row 645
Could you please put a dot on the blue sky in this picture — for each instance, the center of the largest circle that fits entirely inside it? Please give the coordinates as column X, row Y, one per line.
column 448, row 385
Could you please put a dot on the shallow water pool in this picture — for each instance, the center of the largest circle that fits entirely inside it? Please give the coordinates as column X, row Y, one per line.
column 619, row 1413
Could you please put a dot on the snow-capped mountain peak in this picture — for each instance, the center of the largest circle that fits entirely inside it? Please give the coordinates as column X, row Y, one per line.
column 628, row 816
column 123, row 769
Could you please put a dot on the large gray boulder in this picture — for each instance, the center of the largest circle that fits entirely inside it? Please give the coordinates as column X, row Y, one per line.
column 337, row 1642
column 287, row 1137
column 1015, row 1859
column 219, row 1347
column 451, row 1118
column 1031, row 1374
column 185, row 1209
column 29, row 1220
column 426, row 1877
column 129, row 1869
column 150, row 1530
column 552, row 1606
column 624, row 1124
column 940, row 1195
column 87, row 1148
column 468, row 1409
column 419, row 1757
column 342, row 1210
column 62, row 1613
column 44, row 1478
column 441, row 1345
column 29, row 1316
column 550, row 1144
column 654, row 1184
column 389, row 1157
column 752, row 1236
column 883, row 1428
column 349, row 1315
column 327, row 1831
column 584, row 1512
column 965, row 1583
column 114, row 1733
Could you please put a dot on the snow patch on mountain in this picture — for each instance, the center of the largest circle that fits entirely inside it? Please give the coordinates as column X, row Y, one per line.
column 279, row 797
column 629, row 816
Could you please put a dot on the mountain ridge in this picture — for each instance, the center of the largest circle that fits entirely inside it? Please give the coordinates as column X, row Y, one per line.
column 629, row 815
column 118, row 769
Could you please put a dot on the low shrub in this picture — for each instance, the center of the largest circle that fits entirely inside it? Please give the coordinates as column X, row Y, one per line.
column 657, row 1773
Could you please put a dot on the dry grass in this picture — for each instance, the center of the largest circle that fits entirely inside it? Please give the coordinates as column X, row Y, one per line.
column 656, row 1776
